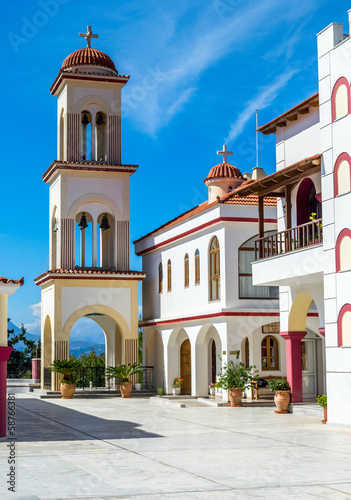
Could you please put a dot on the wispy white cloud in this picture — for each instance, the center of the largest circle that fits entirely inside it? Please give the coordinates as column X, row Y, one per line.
column 36, row 309
column 263, row 99
column 188, row 52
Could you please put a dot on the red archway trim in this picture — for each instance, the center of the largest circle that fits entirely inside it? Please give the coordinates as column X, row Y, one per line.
column 345, row 308
column 343, row 233
column 342, row 157
column 341, row 81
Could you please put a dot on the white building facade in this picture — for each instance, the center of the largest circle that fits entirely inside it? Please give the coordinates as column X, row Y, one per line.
column 310, row 256
column 198, row 298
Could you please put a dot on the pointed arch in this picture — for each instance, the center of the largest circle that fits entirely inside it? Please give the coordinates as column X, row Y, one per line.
column 342, row 174
column 214, row 268
column 344, row 326
column 341, row 99
column 343, row 251
column 186, row 270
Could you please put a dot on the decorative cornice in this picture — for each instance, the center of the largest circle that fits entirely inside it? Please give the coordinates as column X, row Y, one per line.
column 87, row 167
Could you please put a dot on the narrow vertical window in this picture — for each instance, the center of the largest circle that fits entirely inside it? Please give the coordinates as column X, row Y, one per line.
column 169, row 276
column 215, row 284
column 247, row 353
column 186, row 270
column 160, row 278
column 197, row 267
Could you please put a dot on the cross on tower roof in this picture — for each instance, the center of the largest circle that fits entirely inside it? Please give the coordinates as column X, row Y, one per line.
column 225, row 153
column 88, row 36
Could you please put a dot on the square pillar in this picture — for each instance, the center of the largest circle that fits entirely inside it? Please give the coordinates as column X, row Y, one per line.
column 4, row 357
column 294, row 363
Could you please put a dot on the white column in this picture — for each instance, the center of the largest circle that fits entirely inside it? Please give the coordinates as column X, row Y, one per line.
column 3, row 319
column 82, row 248
column 93, row 137
column 94, row 237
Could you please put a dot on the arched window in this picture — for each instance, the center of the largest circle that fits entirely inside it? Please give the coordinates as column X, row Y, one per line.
column 342, row 174
column 169, row 276
column 106, row 224
column 307, row 203
column 85, row 139
column 215, row 275
column 341, row 99
column 246, row 289
column 343, row 251
column 100, row 136
column 344, row 326
column 186, row 270
column 270, row 353
column 160, row 278
column 197, row 267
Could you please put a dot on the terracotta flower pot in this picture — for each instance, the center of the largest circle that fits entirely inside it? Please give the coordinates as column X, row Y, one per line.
column 325, row 414
column 282, row 400
column 126, row 389
column 235, row 395
column 67, row 390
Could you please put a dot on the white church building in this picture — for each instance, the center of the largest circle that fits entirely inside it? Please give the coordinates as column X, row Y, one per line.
column 89, row 274
column 309, row 257
column 198, row 298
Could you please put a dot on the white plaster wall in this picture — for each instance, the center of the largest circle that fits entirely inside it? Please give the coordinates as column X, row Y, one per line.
column 76, row 298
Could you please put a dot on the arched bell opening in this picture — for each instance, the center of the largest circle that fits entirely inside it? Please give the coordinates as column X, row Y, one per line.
column 106, row 225
column 100, row 137
column 85, row 135
column 84, row 240
column 61, row 151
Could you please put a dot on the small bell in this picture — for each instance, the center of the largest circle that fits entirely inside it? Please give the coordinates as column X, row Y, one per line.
column 104, row 223
column 55, row 228
column 83, row 222
column 100, row 119
column 85, row 119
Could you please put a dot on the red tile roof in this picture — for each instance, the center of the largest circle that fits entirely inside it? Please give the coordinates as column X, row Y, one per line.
column 9, row 281
column 229, row 199
column 290, row 115
column 224, row 171
column 87, row 57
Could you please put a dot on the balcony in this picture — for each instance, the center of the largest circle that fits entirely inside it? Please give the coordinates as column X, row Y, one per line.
column 290, row 240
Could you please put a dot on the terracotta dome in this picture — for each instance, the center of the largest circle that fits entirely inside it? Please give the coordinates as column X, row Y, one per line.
column 89, row 57
column 224, row 171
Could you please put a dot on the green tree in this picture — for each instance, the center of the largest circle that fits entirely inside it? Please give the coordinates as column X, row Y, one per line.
column 20, row 362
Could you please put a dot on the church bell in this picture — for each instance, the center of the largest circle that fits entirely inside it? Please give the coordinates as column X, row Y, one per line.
column 104, row 223
column 83, row 222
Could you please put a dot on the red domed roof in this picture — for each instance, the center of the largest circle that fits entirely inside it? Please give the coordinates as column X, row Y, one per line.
column 88, row 56
column 224, row 171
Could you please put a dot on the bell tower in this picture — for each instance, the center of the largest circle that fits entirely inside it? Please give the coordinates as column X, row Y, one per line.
column 89, row 212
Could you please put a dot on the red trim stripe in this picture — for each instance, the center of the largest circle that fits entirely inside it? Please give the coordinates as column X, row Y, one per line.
column 215, row 315
column 203, row 226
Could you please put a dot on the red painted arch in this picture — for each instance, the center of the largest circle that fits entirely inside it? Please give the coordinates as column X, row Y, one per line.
column 345, row 308
column 341, row 81
column 342, row 157
column 343, row 233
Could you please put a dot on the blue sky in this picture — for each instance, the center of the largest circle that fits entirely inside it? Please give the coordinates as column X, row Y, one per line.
column 199, row 69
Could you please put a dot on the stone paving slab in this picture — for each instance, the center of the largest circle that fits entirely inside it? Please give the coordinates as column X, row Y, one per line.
column 114, row 448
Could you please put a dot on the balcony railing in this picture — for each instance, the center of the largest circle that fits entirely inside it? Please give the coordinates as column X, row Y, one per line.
column 289, row 240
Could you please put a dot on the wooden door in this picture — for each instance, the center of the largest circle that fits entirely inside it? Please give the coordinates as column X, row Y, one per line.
column 214, row 361
column 185, row 366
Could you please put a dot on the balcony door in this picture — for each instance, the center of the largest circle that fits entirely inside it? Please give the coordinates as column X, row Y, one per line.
column 309, row 368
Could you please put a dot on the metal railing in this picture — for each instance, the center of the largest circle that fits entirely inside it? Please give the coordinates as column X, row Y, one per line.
column 303, row 236
column 96, row 375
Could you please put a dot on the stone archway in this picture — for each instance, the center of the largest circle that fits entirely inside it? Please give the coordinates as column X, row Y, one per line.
column 47, row 354
column 207, row 348
column 175, row 341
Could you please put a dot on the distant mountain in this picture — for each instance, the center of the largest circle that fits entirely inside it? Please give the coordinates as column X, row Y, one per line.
column 77, row 345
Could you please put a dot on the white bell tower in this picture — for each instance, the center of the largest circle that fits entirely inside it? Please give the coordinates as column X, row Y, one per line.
column 89, row 213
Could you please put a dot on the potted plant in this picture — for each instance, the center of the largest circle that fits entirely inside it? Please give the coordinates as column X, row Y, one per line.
column 67, row 368
column 212, row 388
column 177, row 384
column 123, row 374
column 281, row 389
column 235, row 378
column 322, row 401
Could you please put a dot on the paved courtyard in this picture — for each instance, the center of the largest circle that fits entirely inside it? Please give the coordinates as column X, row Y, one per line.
column 113, row 448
